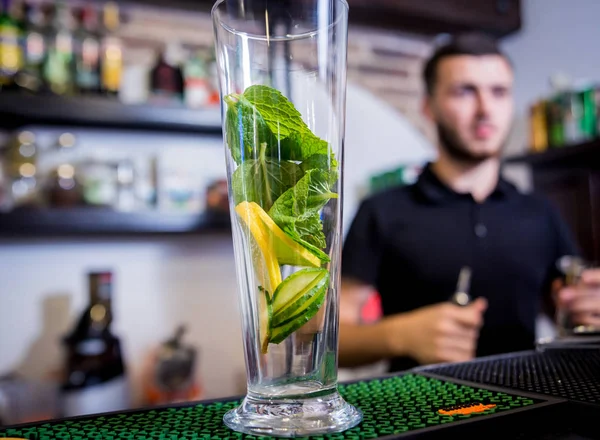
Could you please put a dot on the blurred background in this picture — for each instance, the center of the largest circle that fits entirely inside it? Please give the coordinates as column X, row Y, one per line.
column 113, row 204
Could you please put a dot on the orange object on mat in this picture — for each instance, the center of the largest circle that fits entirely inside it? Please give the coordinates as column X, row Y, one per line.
column 466, row 410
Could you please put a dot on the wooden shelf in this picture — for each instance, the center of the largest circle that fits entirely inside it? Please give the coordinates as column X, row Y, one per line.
column 32, row 222
column 18, row 109
column 429, row 17
column 583, row 155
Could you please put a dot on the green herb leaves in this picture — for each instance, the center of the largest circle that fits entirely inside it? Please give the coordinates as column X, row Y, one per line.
column 279, row 114
column 282, row 165
column 297, row 210
column 263, row 115
column 246, row 131
column 263, row 180
column 322, row 162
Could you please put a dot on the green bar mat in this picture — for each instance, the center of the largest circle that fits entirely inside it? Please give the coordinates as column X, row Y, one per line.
column 391, row 406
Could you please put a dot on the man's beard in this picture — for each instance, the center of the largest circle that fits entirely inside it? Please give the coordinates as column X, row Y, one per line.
column 450, row 141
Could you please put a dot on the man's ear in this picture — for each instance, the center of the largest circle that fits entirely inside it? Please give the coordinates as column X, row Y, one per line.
column 426, row 107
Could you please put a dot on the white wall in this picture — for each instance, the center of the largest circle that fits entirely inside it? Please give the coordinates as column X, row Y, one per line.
column 378, row 139
column 158, row 285
column 558, row 36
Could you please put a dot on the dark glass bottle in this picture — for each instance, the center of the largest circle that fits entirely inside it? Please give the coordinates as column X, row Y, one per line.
column 30, row 77
column 95, row 379
column 87, row 51
column 166, row 78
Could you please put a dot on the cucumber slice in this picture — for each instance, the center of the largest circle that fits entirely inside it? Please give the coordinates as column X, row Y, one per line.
column 280, row 333
column 301, row 304
column 295, row 287
column 265, row 312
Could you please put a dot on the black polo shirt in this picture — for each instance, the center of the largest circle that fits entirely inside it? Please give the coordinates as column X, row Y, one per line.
column 410, row 243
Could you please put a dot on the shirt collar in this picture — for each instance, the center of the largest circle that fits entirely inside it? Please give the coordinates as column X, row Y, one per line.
column 436, row 191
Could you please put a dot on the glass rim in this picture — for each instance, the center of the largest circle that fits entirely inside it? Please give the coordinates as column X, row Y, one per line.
column 260, row 37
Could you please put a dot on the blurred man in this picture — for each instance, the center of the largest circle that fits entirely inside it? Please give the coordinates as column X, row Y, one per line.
column 409, row 243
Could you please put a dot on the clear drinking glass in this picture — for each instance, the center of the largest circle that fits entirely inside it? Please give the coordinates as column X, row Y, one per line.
column 282, row 74
column 573, row 267
column 569, row 333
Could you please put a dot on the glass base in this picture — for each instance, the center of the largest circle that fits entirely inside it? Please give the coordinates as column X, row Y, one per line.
column 293, row 417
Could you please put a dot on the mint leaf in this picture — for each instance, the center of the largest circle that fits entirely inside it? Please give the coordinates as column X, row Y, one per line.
column 263, row 115
column 322, row 162
column 311, row 193
column 305, row 228
column 300, row 146
column 296, row 211
column 263, row 181
column 319, row 161
column 277, row 111
column 246, row 130
column 306, row 231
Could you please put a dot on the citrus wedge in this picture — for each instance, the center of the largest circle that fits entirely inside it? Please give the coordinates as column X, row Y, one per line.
column 266, row 268
column 287, row 250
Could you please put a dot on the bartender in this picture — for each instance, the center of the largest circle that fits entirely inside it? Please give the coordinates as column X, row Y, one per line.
column 409, row 243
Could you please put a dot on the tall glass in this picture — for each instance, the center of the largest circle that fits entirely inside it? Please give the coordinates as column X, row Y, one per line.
column 282, row 73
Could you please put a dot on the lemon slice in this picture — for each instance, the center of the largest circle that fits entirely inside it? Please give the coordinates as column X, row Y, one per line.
column 266, row 268
column 286, row 249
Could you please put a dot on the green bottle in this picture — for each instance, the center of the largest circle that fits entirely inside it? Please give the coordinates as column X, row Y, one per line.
column 589, row 117
column 11, row 53
column 58, row 66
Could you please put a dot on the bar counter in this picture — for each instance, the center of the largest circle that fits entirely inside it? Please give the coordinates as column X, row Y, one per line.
column 550, row 394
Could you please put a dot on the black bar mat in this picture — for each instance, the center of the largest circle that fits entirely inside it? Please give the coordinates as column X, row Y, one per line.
column 572, row 374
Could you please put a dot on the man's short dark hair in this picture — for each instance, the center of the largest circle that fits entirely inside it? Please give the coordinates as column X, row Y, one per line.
column 472, row 43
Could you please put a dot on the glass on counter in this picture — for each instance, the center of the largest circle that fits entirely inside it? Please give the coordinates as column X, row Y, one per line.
column 282, row 69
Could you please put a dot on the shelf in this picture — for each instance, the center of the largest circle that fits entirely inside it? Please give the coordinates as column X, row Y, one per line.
column 431, row 17
column 585, row 155
column 32, row 222
column 18, row 109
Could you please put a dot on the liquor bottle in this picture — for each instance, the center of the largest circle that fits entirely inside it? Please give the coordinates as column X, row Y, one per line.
column 21, row 167
column 111, row 53
column 30, row 77
column 589, row 117
column 95, row 379
column 197, row 82
column 58, row 71
column 572, row 108
column 538, row 127
column 87, row 51
column 555, row 118
column 11, row 53
column 166, row 77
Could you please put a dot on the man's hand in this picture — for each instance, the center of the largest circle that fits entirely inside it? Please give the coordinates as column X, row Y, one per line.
column 440, row 332
column 582, row 301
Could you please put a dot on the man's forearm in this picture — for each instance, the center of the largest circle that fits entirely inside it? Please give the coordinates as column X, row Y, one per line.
column 363, row 344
